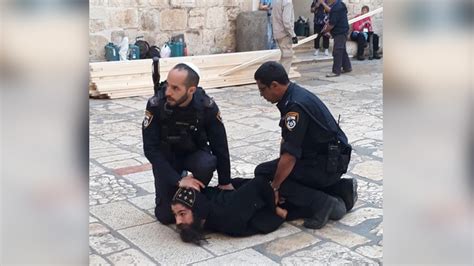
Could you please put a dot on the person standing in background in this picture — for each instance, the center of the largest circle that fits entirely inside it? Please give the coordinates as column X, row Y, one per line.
column 266, row 5
column 283, row 30
column 320, row 10
column 338, row 26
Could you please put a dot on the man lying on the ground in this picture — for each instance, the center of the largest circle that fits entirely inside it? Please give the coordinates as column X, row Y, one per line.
column 246, row 211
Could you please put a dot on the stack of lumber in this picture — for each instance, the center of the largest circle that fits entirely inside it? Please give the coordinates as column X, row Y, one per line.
column 119, row 79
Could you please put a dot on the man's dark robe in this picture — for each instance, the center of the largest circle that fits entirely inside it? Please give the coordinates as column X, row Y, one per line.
column 248, row 210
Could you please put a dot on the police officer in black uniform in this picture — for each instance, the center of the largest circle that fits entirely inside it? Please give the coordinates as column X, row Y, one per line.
column 183, row 131
column 314, row 152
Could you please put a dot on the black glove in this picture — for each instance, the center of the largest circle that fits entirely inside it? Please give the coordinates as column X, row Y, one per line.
column 295, row 40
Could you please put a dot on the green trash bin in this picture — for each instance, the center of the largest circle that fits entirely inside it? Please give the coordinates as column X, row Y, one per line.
column 177, row 49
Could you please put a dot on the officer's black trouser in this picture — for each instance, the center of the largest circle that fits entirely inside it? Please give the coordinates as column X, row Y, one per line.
column 305, row 190
column 340, row 56
column 317, row 29
column 201, row 163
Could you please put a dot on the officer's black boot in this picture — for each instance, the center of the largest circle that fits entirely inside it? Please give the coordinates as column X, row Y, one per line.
column 339, row 210
column 332, row 208
column 346, row 189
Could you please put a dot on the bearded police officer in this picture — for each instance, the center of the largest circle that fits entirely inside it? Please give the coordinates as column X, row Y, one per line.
column 314, row 153
column 183, row 131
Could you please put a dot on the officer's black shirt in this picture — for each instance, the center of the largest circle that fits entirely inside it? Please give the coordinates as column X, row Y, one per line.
column 338, row 18
column 213, row 126
column 301, row 136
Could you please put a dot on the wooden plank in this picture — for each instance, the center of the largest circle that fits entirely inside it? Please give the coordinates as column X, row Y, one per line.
column 113, row 85
column 146, row 78
column 132, row 78
column 132, row 94
column 148, row 92
column 168, row 63
column 274, row 53
column 171, row 61
column 222, row 61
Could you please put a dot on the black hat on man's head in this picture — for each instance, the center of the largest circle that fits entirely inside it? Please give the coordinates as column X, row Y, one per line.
column 194, row 200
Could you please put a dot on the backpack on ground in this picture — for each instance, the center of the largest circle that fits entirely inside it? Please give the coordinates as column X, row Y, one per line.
column 144, row 47
column 154, row 51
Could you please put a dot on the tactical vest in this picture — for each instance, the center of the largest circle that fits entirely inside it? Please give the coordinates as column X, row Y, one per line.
column 182, row 129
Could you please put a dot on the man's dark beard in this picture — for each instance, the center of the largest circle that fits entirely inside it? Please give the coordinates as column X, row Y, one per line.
column 181, row 100
column 192, row 233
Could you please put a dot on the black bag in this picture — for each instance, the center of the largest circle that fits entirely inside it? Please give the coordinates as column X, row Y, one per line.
column 154, row 51
column 144, row 48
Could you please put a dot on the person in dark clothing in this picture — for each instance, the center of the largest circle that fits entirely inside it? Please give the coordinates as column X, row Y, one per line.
column 314, row 152
column 362, row 33
column 338, row 26
column 248, row 210
column 183, row 131
column 320, row 10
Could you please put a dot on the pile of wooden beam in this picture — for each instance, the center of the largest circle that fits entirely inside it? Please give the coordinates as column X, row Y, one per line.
column 119, row 79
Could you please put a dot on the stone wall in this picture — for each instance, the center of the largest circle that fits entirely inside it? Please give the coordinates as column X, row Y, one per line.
column 251, row 33
column 208, row 25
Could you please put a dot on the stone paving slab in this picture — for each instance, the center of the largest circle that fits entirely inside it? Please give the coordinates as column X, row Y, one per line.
column 220, row 244
column 120, row 215
column 327, row 254
column 124, row 231
column 288, row 244
column 361, row 215
column 130, row 257
column 140, row 177
column 105, row 244
column 374, row 252
column 163, row 244
column 97, row 229
column 97, row 260
column 244, row 257
column 147, row 186
column 340, row 236
column 144, row 202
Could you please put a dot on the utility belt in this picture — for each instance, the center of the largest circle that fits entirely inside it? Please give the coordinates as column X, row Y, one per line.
column 334, row 159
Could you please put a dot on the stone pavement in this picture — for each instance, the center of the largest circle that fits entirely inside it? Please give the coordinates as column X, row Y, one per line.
column 123, row 229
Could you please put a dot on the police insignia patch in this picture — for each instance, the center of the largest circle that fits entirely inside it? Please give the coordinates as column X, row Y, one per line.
column 147, row 119
column 291, row 119
column 218, row 116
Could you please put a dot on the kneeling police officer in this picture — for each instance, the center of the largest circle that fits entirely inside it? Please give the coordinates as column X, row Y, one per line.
column 314, row 153
column 183, row 131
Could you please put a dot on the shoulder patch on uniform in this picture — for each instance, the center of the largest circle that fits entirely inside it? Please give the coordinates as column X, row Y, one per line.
column 154, row 101
column 219, row 117
column 291, row 119
column 147, row 119
column 208, row 101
